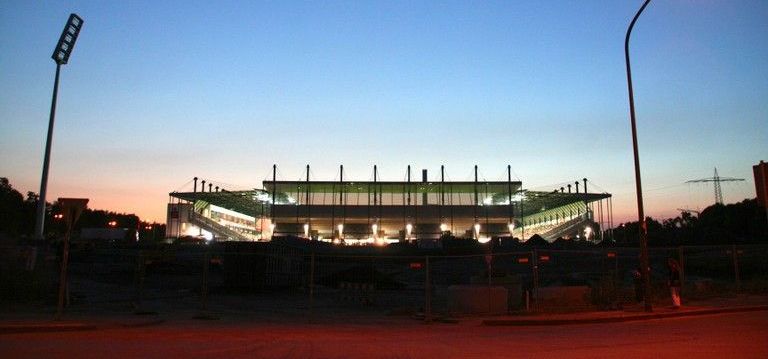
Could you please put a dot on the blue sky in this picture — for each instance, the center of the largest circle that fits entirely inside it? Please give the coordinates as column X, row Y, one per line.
column 158, row 92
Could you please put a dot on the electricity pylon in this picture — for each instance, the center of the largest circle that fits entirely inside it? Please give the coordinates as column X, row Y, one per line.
column 716, row 179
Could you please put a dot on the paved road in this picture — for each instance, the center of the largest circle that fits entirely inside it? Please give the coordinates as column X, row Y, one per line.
column 740, row 335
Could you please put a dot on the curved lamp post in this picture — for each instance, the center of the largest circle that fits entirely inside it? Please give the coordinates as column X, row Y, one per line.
column 641, row 216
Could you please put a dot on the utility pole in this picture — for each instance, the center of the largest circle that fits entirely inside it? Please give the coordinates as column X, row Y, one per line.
column 640, row 214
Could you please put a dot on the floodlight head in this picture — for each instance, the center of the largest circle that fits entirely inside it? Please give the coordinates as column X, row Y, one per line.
column 67, row 39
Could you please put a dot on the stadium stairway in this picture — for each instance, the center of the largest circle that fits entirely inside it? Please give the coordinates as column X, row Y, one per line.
column 565, row 228
column 220, row 231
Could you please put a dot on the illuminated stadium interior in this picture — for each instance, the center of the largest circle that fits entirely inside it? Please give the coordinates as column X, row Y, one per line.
column 380, row 212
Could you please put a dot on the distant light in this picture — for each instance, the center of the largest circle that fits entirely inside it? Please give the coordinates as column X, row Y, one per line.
column 306, row 230
column 587, row 232
column 408, row 229
column 112, row 223
column 477, row 230
column 443, row 227
column 341, row 230
column 484, row 239
column 375, row 230
column 511, row 227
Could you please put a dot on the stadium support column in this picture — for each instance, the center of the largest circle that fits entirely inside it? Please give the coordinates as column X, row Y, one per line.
column 408, row 190
column 415, row 212
column 424, row 195
column 522, row 215
column 274, row 195
column 442, row 197
column 485, row 210
column 368, row 202
column 309, row 206
column 474, row 205
column 590, row 208
column 375, row 197
column 380, row 189
column 341, row 199
column 610, row 216
column 509, row 197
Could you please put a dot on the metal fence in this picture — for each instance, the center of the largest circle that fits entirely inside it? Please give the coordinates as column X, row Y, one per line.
column 209, row 280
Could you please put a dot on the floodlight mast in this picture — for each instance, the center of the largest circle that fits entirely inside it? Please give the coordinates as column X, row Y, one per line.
column 61, row 56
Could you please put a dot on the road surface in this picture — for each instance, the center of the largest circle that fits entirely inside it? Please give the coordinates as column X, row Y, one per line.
column 736, row 335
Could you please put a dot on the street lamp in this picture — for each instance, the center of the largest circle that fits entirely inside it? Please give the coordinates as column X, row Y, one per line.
column 61, row 56
column 641, row 216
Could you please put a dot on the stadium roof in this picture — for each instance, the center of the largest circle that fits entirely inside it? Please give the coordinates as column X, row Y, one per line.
column 494, row 187
column 244, row 202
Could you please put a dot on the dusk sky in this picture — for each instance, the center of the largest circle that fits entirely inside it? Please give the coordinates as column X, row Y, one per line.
column 157, row 92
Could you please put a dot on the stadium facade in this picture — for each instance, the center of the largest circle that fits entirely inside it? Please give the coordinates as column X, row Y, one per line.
column 380, row 212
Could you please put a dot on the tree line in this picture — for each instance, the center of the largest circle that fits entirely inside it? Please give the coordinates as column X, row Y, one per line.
column 737, row 223
column 18, row 212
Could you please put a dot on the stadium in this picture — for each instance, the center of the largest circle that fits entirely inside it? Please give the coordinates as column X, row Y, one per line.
column 350, row 212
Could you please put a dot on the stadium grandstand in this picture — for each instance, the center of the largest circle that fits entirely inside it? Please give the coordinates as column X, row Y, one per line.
column 380, row 212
